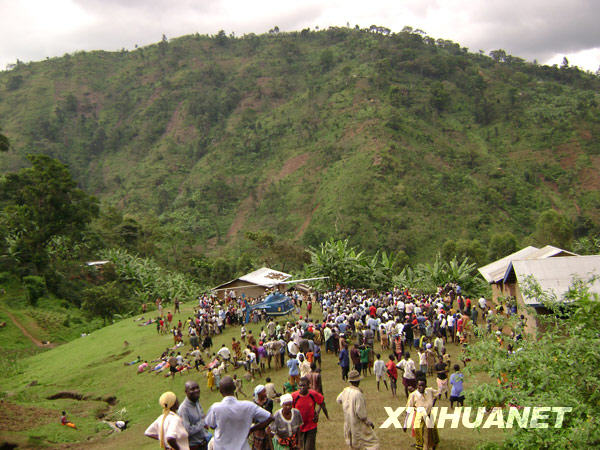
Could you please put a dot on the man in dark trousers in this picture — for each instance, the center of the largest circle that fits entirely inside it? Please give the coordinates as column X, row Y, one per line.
column 309, row 403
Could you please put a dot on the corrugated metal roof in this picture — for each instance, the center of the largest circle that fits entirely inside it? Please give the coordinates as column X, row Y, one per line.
column 556, row 275
column 265, row 277
column 549, row 251
column 262, row 277
column 495, row 271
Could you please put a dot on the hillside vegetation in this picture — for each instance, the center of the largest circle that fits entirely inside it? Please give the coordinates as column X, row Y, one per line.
column 396, row 140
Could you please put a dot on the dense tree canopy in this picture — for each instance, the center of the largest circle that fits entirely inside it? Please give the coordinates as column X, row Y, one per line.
column 39, row 203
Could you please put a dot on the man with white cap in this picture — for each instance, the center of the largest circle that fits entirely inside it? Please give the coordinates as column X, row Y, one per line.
column 358, row 429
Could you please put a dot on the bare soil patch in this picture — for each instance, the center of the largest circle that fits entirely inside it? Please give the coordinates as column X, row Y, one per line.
column 74, row 395
column 14, row 417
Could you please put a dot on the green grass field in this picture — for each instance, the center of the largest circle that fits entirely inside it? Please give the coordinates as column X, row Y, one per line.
column 94, row 367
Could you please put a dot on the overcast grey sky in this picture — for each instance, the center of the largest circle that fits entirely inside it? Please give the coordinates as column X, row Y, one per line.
column 545, row 30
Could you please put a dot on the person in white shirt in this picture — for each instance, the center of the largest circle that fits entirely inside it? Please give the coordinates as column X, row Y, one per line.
column 409, row 376
column 482, row 303
column 293, row 349
column 400, row 306
column 451, row 327
column 438, row 345
column 168, row 428
column 443, row 326
column 232, row 419
column 400, row 328
column 224, row 354
column 379, row 370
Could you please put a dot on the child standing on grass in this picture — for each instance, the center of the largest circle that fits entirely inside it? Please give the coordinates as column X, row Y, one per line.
column 210, row 379
column 379, row 370
column 456, row 380
column 238, row 387
column 364, row 358
column 423, row 360
column 392, row 372
column 431, row 357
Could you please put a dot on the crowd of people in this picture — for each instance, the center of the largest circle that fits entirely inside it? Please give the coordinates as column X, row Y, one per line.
column 348, row 324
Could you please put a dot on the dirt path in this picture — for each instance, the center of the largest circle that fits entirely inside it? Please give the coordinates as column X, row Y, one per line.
column 26, row 333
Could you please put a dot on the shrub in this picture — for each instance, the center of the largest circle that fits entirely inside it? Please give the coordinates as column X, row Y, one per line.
column 36, row 288
column 4, row 277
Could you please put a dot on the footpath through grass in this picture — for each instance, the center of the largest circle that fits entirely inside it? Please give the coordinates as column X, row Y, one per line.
column 48, row 321
column 93, row 366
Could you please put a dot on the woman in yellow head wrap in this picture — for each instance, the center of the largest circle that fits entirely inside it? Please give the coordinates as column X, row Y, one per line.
column 168, row 428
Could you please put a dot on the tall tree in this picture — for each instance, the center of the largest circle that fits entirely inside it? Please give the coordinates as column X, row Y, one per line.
column 501, row 245
column 39, row 203
column 553, row 228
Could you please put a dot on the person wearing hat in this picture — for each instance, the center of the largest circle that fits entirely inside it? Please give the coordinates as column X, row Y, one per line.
column 168, row 428
column 358, row 429
column 260, row 438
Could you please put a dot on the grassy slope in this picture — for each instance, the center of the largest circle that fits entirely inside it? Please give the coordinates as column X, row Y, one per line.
column 94, row 366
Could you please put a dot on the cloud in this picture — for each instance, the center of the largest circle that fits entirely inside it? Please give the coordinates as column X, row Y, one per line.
column 532, row 29
column 538, row 29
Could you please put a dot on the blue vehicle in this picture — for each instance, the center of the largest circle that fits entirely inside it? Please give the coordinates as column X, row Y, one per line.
column 276, row 304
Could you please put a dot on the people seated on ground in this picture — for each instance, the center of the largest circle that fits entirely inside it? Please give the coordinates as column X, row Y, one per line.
column 142, row 367
column 135, row 361
column 65, row 421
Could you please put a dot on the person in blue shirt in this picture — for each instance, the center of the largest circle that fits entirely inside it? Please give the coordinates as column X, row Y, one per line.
column 456, row 380
column 294, row 370
column 344, row 362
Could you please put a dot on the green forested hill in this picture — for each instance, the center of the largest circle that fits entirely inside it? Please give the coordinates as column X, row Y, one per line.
column 398, row 141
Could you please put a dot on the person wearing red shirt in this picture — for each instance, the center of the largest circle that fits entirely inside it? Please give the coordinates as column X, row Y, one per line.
column 460, row 326
column 310, row 403
column 372, row 311
column 392, row 372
